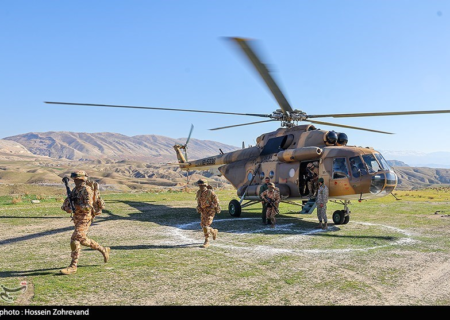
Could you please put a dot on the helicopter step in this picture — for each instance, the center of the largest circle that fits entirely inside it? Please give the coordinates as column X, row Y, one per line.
column 309, row 206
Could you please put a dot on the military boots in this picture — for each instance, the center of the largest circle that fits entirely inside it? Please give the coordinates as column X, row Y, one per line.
column 206, row 243
column 214, row 233
column 70, row 269
column 105, row 252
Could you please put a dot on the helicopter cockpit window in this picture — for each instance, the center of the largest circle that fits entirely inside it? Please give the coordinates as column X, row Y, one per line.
column 277, row 144
column 371, row 163
column 340, row 169
column 357, row 167
column 384, row 164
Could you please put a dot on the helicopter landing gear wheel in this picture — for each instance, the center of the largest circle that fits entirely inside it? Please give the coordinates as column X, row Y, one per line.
column 339, row 217
column 346, row 219
column 234, row 208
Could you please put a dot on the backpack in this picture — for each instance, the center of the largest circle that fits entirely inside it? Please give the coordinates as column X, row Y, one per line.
column 99, row 203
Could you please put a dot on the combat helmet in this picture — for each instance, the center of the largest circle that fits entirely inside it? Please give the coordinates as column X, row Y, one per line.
column 80, row 175
column 202, row 182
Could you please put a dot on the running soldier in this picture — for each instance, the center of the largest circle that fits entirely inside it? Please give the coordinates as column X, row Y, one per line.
column 82, row 197
column 207, row 205
column 272, row 197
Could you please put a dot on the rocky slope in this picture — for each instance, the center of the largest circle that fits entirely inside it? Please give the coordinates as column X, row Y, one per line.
column 135, row 162
column 115, row 146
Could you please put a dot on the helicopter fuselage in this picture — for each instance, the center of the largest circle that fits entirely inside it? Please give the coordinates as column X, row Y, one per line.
column 350, row 172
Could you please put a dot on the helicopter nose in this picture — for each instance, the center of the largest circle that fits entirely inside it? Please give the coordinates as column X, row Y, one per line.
column 383, row 183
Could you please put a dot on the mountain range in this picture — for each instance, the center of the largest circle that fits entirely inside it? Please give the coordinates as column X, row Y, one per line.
column 113, row 146
column 439, row 159
column 113, row 156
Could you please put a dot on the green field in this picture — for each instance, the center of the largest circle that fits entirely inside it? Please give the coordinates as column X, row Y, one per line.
column 392, row 252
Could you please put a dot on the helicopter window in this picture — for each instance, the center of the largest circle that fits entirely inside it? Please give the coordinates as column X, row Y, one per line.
column 287, row 141
column 371, row 163
column 382, row 161
column 340, row 169
column 276, row 144
column 250, row 176
column 357, row 167
column 271, row 174
column 262, row 175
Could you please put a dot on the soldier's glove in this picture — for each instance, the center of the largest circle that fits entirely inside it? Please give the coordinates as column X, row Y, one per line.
column 68, row 210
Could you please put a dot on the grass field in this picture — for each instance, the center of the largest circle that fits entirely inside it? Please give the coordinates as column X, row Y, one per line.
column 392, row 252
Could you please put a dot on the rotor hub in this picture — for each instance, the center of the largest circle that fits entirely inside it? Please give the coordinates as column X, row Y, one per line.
column 288, row 118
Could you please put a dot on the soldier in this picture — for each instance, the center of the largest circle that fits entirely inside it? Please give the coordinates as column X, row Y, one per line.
column 312, row 176
column 321, row 201
column 272, row 197
column 82, row 197
column 207, row 205
column 263, row 188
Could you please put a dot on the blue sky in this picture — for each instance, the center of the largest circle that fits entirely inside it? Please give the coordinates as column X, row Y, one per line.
column 327, row 57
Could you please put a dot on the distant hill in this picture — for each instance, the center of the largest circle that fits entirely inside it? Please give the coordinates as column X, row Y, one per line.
column 11, row 150
column 416, row 178
column 419, row 159
column 396, row 163
column 112, row 157
column 114, row 146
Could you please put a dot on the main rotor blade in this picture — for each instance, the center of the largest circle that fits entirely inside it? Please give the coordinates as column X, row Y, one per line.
column 189, row 136
column 345, row 126
column 244, row 124
column 135, row 107
column 264, row 73
column 376, row 114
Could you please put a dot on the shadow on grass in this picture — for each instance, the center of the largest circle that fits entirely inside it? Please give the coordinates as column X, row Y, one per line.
column 36, row 272
column 189, row 219
column 35, row 235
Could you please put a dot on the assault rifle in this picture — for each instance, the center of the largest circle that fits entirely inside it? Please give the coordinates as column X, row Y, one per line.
column 271, row 204
column 69, row 195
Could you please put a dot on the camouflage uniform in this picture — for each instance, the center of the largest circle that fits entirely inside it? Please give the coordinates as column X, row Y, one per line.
column 263, row 188
column 207, row 205
column 83, row 199
column 321, row 201
column 274, row 194
column 313, row 185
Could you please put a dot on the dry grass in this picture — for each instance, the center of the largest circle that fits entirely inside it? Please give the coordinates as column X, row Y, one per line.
column 390, row 253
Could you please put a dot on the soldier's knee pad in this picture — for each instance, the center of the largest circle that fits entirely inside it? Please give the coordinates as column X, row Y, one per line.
column 85, row 242
column 74, row 245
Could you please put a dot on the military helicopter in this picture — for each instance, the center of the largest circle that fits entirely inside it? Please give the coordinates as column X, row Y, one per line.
column 350, row 172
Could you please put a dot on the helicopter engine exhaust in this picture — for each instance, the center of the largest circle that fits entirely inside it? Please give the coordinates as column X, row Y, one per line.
column 299, row 154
